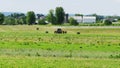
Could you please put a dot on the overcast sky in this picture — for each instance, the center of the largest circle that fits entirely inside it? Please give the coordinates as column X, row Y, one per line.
column 103, row 7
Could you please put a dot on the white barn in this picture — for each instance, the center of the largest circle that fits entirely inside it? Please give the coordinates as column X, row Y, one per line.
column 84, row 19
column 89, row 19
column 78, row 18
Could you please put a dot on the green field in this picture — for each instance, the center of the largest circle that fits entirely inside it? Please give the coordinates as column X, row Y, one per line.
column 23, row 46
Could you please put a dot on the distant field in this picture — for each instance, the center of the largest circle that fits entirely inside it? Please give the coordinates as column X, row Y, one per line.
column 23, row 46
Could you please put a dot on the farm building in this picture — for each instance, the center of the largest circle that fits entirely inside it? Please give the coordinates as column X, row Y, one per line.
column 89, row 19
column 84, row 19
column 78, row 18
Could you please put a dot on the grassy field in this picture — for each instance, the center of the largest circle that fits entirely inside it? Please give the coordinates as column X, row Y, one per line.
column 50, row 62
column 25, row 47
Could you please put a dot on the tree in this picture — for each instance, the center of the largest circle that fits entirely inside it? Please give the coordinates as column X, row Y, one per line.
column 20, row 18
column 30, row 18
column 99, row 18
column 78, row 14
column 51, row 18
column 107, row 22
column 10, row 21
column 72, row 21
column 59, row 15
column 39, row 15
column 23, row 19
column 1, row 18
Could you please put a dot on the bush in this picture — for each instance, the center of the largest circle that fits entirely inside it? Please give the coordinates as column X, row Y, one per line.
column 42, row 22
column 107, row 22
column 72, row 21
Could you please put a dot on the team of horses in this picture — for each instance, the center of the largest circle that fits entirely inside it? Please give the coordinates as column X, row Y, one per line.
column 58, row 31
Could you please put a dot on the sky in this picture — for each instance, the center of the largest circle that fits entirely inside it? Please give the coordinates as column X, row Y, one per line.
column 101, row 7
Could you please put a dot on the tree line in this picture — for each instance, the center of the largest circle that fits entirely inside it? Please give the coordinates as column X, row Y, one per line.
column 55, row 17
